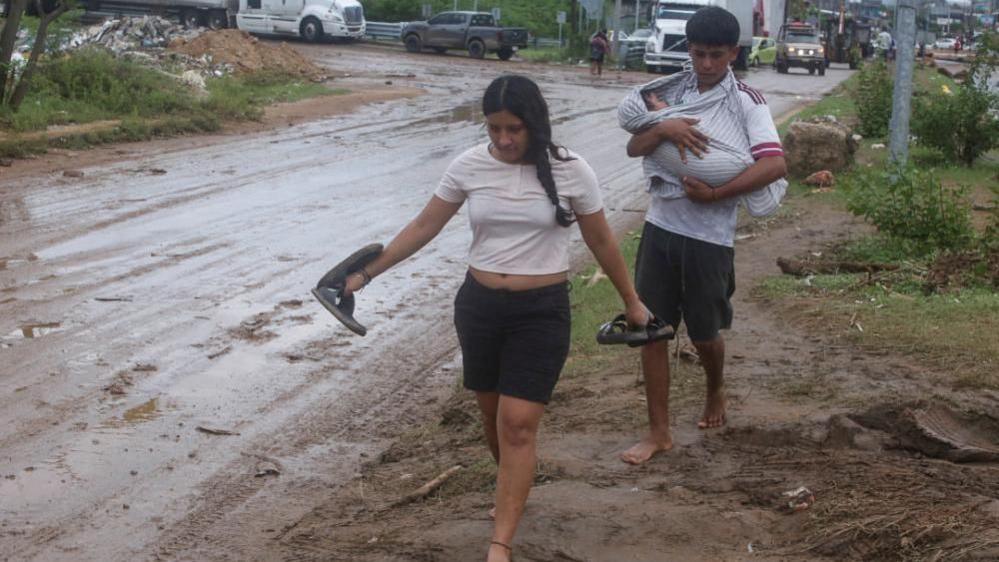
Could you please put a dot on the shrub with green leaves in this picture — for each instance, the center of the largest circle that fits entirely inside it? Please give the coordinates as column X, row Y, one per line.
column 962, row 125
column 912, row 205
column 873, row 98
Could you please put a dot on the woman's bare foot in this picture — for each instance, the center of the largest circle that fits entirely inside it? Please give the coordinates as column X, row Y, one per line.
column 714, row 412
column 647, row 448
column 499, row 552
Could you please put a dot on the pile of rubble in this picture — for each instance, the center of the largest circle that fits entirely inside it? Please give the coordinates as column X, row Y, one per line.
column 192, row 55
column 246, row 54
column 130, row 34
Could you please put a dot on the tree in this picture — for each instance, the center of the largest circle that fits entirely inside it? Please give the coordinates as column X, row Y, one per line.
column 14, row 88
column 15, row 11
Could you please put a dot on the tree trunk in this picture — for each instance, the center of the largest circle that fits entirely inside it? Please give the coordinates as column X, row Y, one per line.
column 37, row 48
column 7, row 40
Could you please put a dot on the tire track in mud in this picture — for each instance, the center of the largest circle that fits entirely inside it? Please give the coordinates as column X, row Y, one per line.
column 393, row 404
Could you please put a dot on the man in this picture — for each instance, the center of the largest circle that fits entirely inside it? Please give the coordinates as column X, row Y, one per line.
column 685, row 264
column 885, row 42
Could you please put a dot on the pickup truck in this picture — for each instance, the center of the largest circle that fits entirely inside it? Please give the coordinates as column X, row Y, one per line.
column 475, row 31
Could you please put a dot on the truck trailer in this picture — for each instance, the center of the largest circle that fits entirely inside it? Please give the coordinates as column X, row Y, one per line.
column 667, row 47
column 312, row 20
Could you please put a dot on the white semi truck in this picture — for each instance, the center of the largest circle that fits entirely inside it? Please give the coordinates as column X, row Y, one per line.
column 667, row 47
column 312, row 20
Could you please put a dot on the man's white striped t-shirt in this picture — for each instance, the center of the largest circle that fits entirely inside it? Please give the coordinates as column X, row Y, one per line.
column 748, row 127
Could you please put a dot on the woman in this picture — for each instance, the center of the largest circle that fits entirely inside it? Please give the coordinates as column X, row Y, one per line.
column 512, row 313
column 599, row 46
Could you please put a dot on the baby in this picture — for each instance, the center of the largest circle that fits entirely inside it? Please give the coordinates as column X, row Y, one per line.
column 714, row 167
column 653, row 102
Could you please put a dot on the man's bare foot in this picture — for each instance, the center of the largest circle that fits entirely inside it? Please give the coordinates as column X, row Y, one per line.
column 492, row 512
column 499, row 552
column 714, row 412
column 647, row 448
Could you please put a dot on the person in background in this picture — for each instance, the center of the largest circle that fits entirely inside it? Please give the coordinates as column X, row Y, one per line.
column 599, row 47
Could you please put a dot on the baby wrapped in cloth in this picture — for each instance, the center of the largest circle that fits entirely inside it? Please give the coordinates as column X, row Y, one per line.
column 719, row 107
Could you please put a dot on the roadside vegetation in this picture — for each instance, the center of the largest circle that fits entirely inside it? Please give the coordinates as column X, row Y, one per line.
column 88, row 96
column 930, row 289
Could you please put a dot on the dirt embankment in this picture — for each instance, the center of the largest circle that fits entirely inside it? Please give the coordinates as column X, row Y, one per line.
column 246, row 54
column 828, row 455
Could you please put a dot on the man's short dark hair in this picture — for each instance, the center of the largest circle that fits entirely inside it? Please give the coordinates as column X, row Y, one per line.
column 714, row 27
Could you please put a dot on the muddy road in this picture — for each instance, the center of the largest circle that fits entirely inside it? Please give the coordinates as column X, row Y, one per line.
column 168, row 388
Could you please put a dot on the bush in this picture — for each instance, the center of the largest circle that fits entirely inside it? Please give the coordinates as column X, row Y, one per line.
column 92, row 84
column 873, row 98
column 962, row 125
column 912, row 205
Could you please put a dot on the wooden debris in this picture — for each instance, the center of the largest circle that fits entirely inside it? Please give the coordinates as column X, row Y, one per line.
column 428, row 488
column 801, row 268
column 211, row 431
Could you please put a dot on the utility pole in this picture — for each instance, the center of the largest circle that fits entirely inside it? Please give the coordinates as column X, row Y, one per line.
column 905, row 44
column 638, row 13
column 617, row 25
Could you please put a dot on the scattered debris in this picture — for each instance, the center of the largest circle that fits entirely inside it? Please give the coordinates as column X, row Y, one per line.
column 267, row 469
column 855, row 324
column 128, row 34
column 802, row 268
column 145, row 368
column 822, row 178
column 117, row 387
column 212, row 431
column 73, row 174
column 428, row 488
column 245, row 54
column 113, row 299
column 877, row 146
column 799, row 499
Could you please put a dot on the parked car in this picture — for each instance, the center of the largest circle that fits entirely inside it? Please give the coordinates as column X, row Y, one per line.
column 945, row 43
column 475, row 32
column 764, row 51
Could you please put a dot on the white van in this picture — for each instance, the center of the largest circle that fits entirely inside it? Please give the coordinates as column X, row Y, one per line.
column 312, row 20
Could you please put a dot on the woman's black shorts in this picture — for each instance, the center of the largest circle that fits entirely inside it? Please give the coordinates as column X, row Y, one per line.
column 513, row 342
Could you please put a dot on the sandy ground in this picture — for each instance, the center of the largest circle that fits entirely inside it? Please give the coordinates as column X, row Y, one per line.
column 170, row 391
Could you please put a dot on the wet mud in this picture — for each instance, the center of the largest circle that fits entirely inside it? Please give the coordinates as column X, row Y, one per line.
column 165, row 289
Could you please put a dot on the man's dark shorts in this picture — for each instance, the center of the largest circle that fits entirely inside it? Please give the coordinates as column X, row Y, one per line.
column 680, row 278
column 513, row 342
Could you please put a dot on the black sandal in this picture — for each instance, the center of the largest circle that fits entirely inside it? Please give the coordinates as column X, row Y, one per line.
column 329, row 290
column 617, row 331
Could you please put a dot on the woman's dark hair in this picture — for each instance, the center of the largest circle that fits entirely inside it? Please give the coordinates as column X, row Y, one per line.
column 521, row 96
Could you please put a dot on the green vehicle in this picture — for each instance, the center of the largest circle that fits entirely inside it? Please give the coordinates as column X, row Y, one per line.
column 764, row 51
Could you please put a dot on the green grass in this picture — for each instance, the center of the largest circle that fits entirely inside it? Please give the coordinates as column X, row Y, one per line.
column 954, row 332
column 91, row 85
column 592, row 305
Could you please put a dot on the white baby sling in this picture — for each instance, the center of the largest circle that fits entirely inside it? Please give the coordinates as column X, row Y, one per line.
column 721, row 163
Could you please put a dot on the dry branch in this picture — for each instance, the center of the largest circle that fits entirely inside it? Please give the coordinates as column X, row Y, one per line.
column 801, row 268
column 428, row 488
